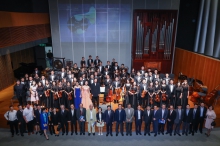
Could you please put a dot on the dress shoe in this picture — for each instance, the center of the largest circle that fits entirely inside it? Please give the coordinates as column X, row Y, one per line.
column 88, row 134
column 174, row 134
column 136, row 133
column 130, row 134
column 76, row 133
column 148, row 134
column 83, row 133
column 192, row 134
column 80, row 134
column 111, row 134
column 72, row 133
column 93, row 134
column 166, row 132
column 17, row 134
column 182, row 133
column 116, row 134
column 106, row 134
column 179, row 134
column 140, row 134
column 66, row 133
column 126, row 134
column 22, row 134
column 201, row 132
column 122, row 134
column 155, row 135
column 162, row 133
column 36, row 133
column 62, row 133
column 170, row 134
column 158, row 133
column 144, row 134
column 186, row 134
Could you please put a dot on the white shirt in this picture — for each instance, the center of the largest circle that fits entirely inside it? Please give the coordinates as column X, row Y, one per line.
column 116, row 84
column 11, row 115
column 139, row 115
column 162, row 112
column 62, row 74
column 72, row 111
column 28, row 113
column 171, row 88
column 148, row 112
column 100, row 116
column 52, row 76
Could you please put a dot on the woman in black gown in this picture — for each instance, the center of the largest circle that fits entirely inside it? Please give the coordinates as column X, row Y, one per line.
column 49, row 99
column 54, row 102
column 62, row 97
column 178, row 95
column 133, row 95
column 151, row 96
column 185, row 94
column 127, row 87
column 157, row 92
column 69, row 95
column 40, row 92
column 163, row 88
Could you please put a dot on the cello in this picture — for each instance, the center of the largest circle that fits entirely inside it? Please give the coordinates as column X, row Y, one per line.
column 109, row 97
column 157, row 97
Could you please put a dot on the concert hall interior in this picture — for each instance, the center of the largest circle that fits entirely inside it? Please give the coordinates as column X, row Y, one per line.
column 74, row 71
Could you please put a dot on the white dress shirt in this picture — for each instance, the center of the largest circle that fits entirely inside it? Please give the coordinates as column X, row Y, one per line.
column 28, row 113
column 139, row 115
column 11, row 115
column 91, row 115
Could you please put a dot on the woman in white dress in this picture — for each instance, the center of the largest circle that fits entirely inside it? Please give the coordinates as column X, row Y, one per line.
column 33, row 91
column 100, row 120
column 209, row 119
column 86, row 101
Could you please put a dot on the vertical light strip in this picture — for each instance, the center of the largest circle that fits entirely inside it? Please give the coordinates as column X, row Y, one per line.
column 107, row 31
column 83, row 32
column 71, row 34
column 61, row 53
column 119, row 29
column 131, row 37
column 95, row 32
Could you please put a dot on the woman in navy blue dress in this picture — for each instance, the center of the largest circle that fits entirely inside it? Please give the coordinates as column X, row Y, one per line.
column 44, row 122
column 77, row 95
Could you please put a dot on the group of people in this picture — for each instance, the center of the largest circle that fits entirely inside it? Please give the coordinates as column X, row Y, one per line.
column 74, row 85
column 40, row 120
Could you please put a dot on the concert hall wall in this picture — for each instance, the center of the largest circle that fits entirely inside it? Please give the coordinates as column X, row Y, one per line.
column 97, row 27
column 197, row 66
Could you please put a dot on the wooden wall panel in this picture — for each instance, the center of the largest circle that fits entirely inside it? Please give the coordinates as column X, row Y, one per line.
column 198, row 66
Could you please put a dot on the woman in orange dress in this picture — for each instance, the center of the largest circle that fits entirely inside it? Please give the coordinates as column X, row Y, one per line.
column 86, row 101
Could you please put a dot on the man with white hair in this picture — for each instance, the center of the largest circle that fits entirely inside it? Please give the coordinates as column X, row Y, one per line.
column 91, row 119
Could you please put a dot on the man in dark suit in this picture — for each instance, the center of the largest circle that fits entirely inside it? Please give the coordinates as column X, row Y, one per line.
column 147, row 119
column 37, row 116
column 120, row 118
column 52, row 77
column 95, row 91
column 89, row 61
column 138, row 114
column 81, row 82
column 109, row 119
column 73, row 119
column 91, row 80
column 108, row 66
column 116, row 85
column 116, row 67
column 171, row 92
column 64, row 119
column 155, row 119
column 97, row 61
column 21, row 121
column 19, row 91
column 63, row 74
column 170, row 120
column 138, row 78
column 163, row 112
column 202, row 112
column 142, row 71
column 81, row 117
column 36, row 71
column 178, row 120
column 100, row 67
column 106, row 72
column 108, row 85
column 195, row 120
column 187, row 119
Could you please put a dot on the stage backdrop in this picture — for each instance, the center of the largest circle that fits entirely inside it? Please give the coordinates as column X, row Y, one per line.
column 97, row 27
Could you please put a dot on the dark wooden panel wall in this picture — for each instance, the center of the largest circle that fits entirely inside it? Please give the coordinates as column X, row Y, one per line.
column 198, row 66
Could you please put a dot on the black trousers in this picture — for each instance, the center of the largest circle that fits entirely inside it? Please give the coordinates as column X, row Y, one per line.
column 22, row 127
column 64, row 128
column 201, row 121
column 161, row 127
column 138, row 126
column 147, row 127
column 30, row 126
column 128, row 127
column 109, row 128
column 82, row 126
column 13, row 125
column 22, row 100
column 51, row 128
column 177, row 127
column 121, row 125
column 194, row 126
column 73, row 127
column 170, row 127
column 95, row 99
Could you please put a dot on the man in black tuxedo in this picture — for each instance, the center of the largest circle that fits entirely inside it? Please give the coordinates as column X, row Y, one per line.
column 171, row 92
column 109, row 119
column 95, row 91
column 195, row 120
column 64, row 119
column 97, row 61
column 52, row 77
column 63, row 74
column 73, row 119
column 106, row 72
column 138, row 78
column 108, row 66
column 187, row 119
column 81, row 82
column 138, row 114
column 100, row 67
column 89, row 61
column 170, row 120
column 116, row 85
column 202, row 112
column 91, row 80
column 21, row 121
column 19, row 91
column 155, row 119
column 116, row 67
column 147, row 119
column 36, row 71
column 81, row 117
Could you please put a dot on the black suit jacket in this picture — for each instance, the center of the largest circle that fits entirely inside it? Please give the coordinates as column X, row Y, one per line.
column 95, row 62
column 79, row 114
column 20, row 117
column 102, row 117
column 136, row 115
column 197, row 114
column 88, row 63
column 168, row 91
column 171, row 116
column 109, row 67
column 102, row 68
column 114, row 84
column 55, row 118
column 204, row 112
column 114, row 68
column 37, row 115
column 148, row 119
column 54, row 79
column 109, row 119
column 73, row 118
column 64, row 117
column 95, row 89
column 188, row 118
column 19, row 90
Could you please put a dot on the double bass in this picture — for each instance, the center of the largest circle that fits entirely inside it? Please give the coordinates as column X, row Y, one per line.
column 118, row 94
column 109, row 97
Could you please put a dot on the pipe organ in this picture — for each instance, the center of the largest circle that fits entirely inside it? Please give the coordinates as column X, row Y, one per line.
column 153, row 38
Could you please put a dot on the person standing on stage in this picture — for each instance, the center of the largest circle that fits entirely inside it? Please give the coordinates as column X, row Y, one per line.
column 19, row 90
column 28, row 115
column 91, row 119
column 211, row 115
column 129, row 119
column 109, row 119
column 178, row 120
column 147, row 120
column 21, row 121
column 120, row 118
column 138, row 114
column 202, row 112
column 95, row 91
column 170, row 120
column 81, row 117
